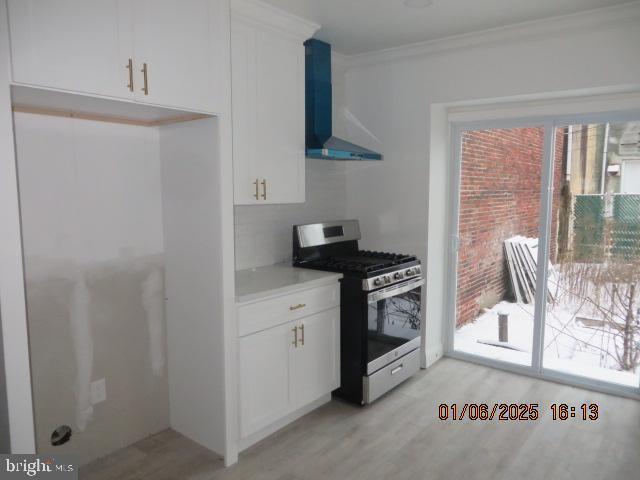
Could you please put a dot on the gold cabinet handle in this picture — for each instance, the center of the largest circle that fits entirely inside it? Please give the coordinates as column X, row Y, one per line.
column 129, row 66
column 257, row 194
column 296, row 307
column 145, row 76
column 295, row 337
column 302, row 332
column 264, row 188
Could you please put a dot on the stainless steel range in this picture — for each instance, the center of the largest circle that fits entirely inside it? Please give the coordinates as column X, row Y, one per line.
column 380, row 313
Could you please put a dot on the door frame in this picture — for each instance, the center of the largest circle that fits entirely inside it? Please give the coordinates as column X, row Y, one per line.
column 549, row 123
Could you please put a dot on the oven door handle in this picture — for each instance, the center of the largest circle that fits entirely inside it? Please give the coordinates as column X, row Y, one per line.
column 395, row 290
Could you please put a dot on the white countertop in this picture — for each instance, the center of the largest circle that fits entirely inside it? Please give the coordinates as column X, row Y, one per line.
column 263, row 282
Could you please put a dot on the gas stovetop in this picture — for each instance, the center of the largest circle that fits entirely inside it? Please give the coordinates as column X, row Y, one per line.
column 333, row 246
column 364, row 263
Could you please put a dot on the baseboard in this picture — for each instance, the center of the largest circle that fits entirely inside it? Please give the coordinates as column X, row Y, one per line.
column 254, row 438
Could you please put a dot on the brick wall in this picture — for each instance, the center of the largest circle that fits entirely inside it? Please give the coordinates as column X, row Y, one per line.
column 499, row 198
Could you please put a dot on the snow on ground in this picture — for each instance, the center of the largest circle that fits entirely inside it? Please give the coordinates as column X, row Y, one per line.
column 569, row 346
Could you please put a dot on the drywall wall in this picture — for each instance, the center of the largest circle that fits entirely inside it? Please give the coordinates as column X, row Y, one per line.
column 93, row 248
column 403, row 202
column 5, row 441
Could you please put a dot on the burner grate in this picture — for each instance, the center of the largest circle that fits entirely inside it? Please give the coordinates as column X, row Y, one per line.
column 364, row 261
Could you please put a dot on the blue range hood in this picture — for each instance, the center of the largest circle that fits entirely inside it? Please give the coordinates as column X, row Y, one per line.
column 320, row 142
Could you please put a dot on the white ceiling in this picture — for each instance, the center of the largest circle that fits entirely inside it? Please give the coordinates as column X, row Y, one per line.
column 358, row 26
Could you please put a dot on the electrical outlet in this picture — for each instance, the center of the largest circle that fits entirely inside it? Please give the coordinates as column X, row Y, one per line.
column 98, row 391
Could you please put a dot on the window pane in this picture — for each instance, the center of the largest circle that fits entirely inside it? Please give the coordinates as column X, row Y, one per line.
column 591, row 326
column 499, row 218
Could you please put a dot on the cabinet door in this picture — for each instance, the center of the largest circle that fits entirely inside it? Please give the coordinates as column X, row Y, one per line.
column 72, row 45
column 244, row 89
column 264, row 377
column 316, row 361
column 268, row 115
column 182, row 44
column 280, row 117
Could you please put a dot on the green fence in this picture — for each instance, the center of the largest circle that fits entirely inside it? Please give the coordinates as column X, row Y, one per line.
column 606, row 226
column 626, row 229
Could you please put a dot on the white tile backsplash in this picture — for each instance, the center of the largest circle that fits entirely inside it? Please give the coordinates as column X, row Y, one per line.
column 263, row 232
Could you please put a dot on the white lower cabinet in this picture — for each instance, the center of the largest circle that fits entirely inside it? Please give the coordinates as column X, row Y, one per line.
column 264, row 377
column 314, row 362
column 288, row 366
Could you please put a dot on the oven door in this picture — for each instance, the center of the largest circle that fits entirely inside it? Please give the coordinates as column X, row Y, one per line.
column 393, row 323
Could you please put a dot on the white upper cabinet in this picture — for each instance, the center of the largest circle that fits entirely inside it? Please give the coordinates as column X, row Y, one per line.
column 163, row 52
column 267, row 66
column 179, row 51
column 72, row 45
column 279, row 112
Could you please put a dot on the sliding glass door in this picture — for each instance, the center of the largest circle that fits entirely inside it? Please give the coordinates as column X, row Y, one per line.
column 499, row 210
column 546, row 248
column 592, row 321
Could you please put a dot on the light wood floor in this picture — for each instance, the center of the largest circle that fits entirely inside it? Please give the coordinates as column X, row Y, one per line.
column 400, row 437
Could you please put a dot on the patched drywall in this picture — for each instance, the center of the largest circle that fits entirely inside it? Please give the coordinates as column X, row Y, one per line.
column 93, row 246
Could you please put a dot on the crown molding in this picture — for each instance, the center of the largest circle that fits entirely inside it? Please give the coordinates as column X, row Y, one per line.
column 257, row 12
column 625, row 13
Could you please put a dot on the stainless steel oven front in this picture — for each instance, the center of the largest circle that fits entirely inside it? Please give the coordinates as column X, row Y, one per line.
column 393, row 323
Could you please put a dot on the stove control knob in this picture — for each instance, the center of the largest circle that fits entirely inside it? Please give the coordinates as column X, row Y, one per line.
column 387, row 279
column 398, row 275
column 418, row 270
column 377, row 282
column 409, row 272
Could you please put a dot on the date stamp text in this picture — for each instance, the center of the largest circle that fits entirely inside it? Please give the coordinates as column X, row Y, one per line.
column 516, row 411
